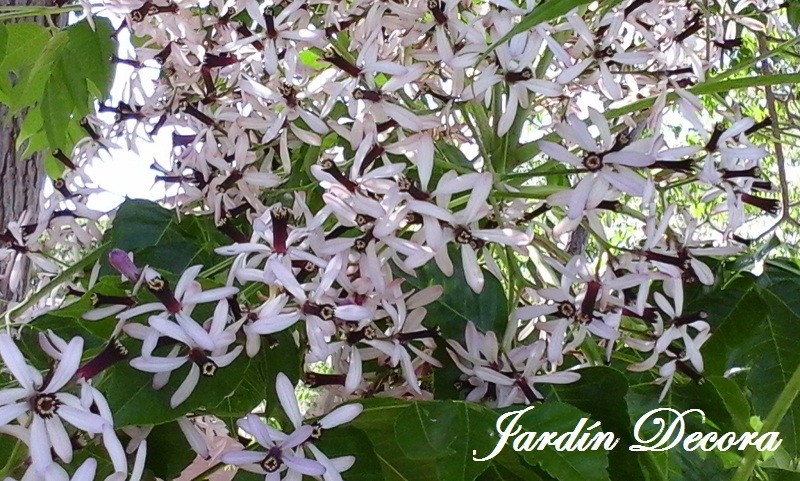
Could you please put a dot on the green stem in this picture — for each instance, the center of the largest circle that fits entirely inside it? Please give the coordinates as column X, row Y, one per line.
column 13, row 459
column 65, row 275
column 13, row 13
column 652, row 467
column 776, row 414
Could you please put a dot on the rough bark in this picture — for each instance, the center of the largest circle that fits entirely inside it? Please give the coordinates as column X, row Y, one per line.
column 21, row 181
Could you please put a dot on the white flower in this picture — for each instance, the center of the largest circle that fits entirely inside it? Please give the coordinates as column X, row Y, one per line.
column 45, row 406
column 207, row 348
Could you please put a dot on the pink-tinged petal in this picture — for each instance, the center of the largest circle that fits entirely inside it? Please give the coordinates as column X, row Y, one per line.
column 298, row 437
column 352, row 313
column 426, row 208
column 507, row 117
column 627, row 181
column 424, row 160
column 608, row 83
column 40, row 442
column 629, row 158
column 505, row 236
column 560, row 153
column 532, row 312
column 354, row 372
column 187, row 278
column 52, row 472
column 576, row 132
column 200, row 336
column 83, row 420
column 703, row 272
column 580, row 193
column 138, row 463
column 273, row 324
column 572, row 72
column 158, row 364
column 305, row 466
column 477, row 198
column 15, row 362
column 227, row 358
column 490, row 375
column 11, row 412
column 86, row 471
column 253, row 425
column 472, row 270
column 170, row 329
column 187, row 386
column 139, row 310
column 103, row 312
column 238, row 458
column 286, row 278
column 59, row 438
column 331, row 471
column 341, row 415
column 67, row 366
column 286, row 396
column 115, row 450
column 193, row 435
column 210, row 295
column 11, row 395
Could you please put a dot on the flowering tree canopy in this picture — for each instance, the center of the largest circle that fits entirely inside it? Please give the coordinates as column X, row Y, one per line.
column 383, row 224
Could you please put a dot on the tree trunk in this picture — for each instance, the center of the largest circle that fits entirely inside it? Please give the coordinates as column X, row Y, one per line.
column 21, row 182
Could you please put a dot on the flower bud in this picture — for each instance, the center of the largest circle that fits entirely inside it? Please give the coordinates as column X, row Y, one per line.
column 120, row 261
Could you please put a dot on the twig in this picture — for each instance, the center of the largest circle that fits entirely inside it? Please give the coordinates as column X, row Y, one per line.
column 780, row 159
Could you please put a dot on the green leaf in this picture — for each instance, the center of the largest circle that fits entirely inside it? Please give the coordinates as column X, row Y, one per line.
column 775, row 474
column 425, row 431
column 350, row 441
column 57, row 107
column 234, row 391
column 168, row 452
column 94, row 48
column 21, row 43
column 36, row 81
column 757, row 333
column 563, row 465
column 158, row 239
column 458, row 304
column 310, row 59
column 675, row 464
column 601, row 392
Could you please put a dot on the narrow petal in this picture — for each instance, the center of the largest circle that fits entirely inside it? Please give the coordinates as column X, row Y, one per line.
column 187, row 386
column 59, row 438
column 286, row 396
column 15, row 362
column 85, row 421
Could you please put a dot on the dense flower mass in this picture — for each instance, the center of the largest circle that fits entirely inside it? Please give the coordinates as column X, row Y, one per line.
column 352, row 157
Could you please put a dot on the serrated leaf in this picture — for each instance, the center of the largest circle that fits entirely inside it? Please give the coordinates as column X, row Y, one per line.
column 23, row 43
column 758, row 332
column 39, row 77
column 94, row 48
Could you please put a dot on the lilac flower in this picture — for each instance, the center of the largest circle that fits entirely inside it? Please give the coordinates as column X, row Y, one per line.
column 281, row 455
column 208, row 349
